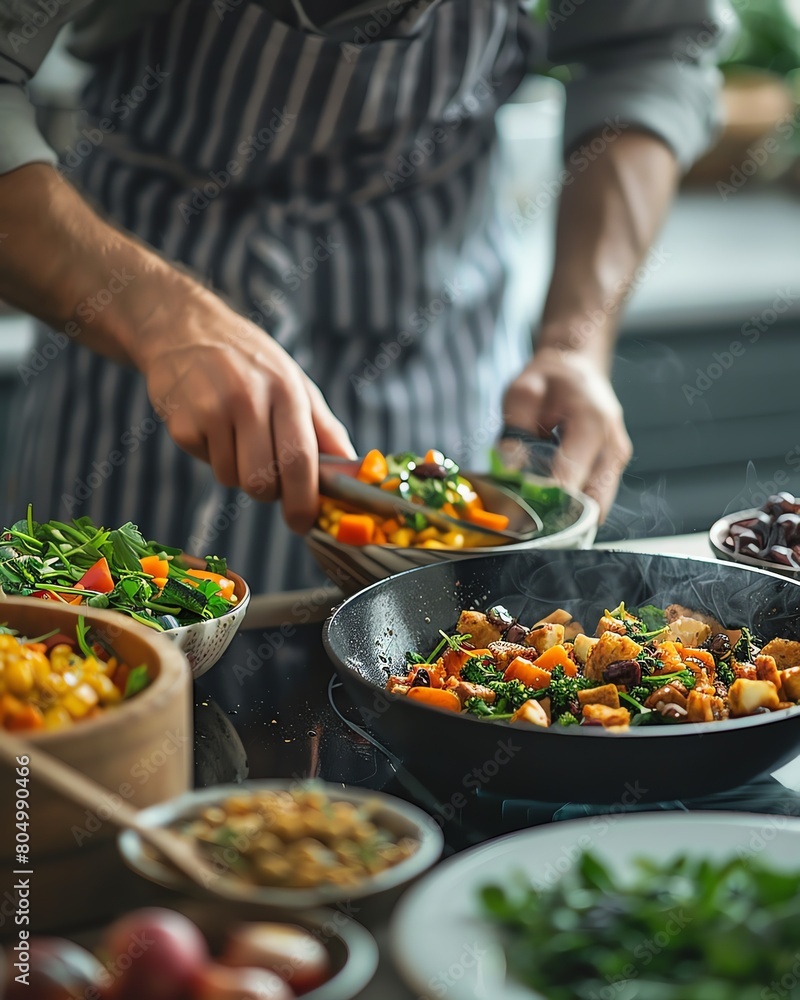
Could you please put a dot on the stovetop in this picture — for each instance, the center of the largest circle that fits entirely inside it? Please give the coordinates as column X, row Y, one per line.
column 272, row 708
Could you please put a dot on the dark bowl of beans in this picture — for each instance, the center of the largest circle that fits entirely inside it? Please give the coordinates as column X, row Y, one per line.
column 766, row 537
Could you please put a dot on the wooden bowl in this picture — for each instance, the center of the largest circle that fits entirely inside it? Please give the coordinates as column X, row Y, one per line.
column 142, row 751
column 204, row 642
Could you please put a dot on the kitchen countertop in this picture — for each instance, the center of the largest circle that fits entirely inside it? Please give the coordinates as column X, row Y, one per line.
column 268, row 710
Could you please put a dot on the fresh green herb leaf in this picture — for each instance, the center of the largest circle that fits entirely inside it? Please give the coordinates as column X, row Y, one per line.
column 137, row 681
column 81, row 631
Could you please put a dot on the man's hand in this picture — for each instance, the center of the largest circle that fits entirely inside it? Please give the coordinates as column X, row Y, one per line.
column 567, row 389
column 238, row 401
column 229, row 393
column 607, row 219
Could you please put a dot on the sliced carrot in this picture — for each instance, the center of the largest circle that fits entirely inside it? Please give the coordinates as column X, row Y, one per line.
column 432, row 455
column 225, row 585
column 450, row 510
column 530, row 675
column 355, row 529
column 436, row 698
column 160, row 582
column 27, row 717
column 155, row 566
column 486, row 519
column 36, row 647
column 391, row 484
column 379, row 537
column 390, row 526
column 374, row 468
column 703, row 655
column 556, row 656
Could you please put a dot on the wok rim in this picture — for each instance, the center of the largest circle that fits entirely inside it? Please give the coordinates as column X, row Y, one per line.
column 570, row 732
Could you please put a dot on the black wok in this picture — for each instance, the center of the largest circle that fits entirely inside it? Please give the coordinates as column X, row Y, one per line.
column 368, row 635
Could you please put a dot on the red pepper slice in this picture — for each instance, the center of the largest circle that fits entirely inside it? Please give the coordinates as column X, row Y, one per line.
column 98, row 577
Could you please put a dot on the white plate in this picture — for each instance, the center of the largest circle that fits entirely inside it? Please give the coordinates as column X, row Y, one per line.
column 444, row 948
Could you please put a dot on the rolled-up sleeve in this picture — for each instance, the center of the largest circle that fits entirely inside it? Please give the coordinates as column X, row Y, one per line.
column 644, row 63
column 28, row 29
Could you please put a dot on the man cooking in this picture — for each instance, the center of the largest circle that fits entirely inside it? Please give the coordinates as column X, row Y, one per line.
column 270, row 195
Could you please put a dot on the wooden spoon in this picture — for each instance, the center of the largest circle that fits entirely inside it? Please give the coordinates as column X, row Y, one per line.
column 180, row 851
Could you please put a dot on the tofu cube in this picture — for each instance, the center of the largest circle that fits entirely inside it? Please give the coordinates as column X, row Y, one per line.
column 582, row 646
column 477, row 626
column 608, row 694
column 785, row 652
column 746, row 696
column 790, row 683
column 532, row 713
column 609, row 648
column 542, row 637
column 608, row 717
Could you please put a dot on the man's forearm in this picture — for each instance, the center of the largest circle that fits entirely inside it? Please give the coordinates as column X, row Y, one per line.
column 60, row 262
column 608, row 217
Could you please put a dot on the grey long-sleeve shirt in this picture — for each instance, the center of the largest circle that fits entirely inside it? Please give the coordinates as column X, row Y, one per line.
column 647, row 63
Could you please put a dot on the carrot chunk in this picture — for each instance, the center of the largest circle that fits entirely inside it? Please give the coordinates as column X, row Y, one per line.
column 556, row 656
column 436, row 698
column 486, row 519
column 531, row 676
column 355, row 529
column 374, row 468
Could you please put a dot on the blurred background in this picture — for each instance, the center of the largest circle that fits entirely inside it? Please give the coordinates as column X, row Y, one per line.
column 708, row 359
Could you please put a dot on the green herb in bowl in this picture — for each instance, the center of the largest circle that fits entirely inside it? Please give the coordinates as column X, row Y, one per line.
column 79, row 562
column 690, row 929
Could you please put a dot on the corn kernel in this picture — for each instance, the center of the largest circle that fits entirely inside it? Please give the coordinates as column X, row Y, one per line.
column 324, row 523
column 60, row 657
column 107, row 690
column 336, row 516
column 432, row 543
column 9, row 643
column 426, row 535
column 403, row 537
column 90, row 665
column 19, row 678
column 40, row 666
column 454, row 539
column 80, row 701
column 57, row 717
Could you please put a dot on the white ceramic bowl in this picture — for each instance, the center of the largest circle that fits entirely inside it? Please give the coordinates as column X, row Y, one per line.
column 395, row 815
column 353, row 567
column 204, row 642
column 721, row 529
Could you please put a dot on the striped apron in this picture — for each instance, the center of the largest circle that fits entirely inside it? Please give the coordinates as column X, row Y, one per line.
column 337, row 190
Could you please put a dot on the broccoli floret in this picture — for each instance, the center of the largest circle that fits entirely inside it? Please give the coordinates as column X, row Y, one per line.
column 563, row 690
column 747, row 647
column 686, row 677
column 640, row 693
column 477, row 706
column 478, row 670
column 568, row 719
column 725, row 673
column 511, row 694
